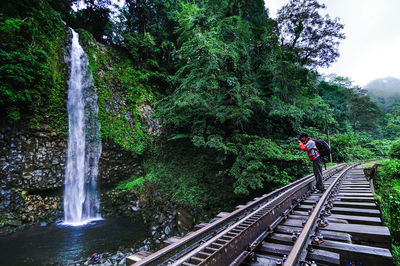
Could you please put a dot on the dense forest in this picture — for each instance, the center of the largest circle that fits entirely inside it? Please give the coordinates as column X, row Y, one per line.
column 231, row 86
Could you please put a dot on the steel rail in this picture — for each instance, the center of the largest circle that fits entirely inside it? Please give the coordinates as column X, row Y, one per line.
column 172, row 252
column 303, row 239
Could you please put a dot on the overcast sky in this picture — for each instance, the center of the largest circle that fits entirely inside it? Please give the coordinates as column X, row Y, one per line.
column 371, row 49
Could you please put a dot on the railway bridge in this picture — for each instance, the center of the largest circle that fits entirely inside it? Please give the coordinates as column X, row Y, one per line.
column 293, row 225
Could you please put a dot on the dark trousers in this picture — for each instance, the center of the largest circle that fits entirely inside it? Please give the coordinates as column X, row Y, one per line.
column 317, row 167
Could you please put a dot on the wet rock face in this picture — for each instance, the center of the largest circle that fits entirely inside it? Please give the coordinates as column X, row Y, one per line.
column 31, row 160
column 116, row 164
column 38, row 208
column 10, row 201
column 35, row 160
column 18, row 209
column 147, row 116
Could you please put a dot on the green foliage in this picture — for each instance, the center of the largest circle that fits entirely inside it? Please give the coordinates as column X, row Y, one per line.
column 392, row 129
column 121, row 88
column 32, row 79
column 387, row 184
column 312, row 37
column 350, row 147
column 351, row 108
column 391, row 169
column 262, row 163
column 134, row 183
column 396, row 253
column 215, row 87
column 380, row 147
column 189, row 177
column 394, row 151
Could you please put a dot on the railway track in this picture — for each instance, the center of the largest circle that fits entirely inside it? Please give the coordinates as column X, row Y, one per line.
column 293, row 225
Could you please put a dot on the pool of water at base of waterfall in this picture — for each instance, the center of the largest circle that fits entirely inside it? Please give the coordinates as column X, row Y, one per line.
column 57, row 244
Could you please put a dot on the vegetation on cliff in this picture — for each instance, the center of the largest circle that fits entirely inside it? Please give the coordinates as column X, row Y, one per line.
column 32, row 72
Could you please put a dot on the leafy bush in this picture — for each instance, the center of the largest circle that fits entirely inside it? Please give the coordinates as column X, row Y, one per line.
column 134, row 183
column 380, row 147
column 262, row 163
column 351, row 146
column 394, row 151
column 392, row 169
column 387, row 184
column 143, row 187
column 396, row 253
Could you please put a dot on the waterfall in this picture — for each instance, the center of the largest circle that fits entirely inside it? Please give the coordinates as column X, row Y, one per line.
column 81, row 201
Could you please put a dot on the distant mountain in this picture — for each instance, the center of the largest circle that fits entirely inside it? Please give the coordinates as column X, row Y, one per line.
column 385, row 91
column 384, row 87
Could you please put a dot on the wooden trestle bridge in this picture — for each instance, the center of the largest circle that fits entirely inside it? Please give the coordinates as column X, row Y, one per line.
column 293, row 225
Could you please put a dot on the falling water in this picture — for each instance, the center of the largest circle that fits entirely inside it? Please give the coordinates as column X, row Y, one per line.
column 81, row 202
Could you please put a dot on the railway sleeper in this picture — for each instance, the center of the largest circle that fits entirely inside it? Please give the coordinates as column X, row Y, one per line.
column 202, row 254
column 304, row 207
column 376, row 235
column 301, row 223
column 355, row 219
column 262, row 260
column 210, row 250
column 221, row 242
column 355, row 211
column 351, row 187
column 323, row 257
column 251, row 220
column 367, row 255
column 215, row 246
column 283, row 239
column 231, row 234
column 274, row 249
column 240, row 227
column 309, row 201
column 188, row 264
column 332, row 235
column 298, row 217
column 361, row 195
column 258, row 215
column 301, row 213
column 246, row 224
column 359, row 205
column 355, row 190
column 236, row 231
column 195, row 260
column 226, row 237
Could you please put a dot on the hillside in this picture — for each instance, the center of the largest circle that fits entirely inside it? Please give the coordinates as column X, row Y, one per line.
column 386, row 91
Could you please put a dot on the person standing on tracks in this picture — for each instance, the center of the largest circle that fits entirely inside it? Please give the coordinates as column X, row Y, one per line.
column 308, row 144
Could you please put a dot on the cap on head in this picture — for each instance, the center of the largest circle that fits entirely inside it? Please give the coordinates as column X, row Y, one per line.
column 303, row 135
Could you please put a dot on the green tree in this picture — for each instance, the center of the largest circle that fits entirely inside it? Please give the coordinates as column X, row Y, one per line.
column 30, row 70
column 92, row 15
column 215, row 91
column 145, row 31
column 364, row 113
column 312, row 37
column 351, row 106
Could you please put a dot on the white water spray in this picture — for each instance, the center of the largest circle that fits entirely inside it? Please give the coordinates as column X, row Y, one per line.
column 81, row 203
